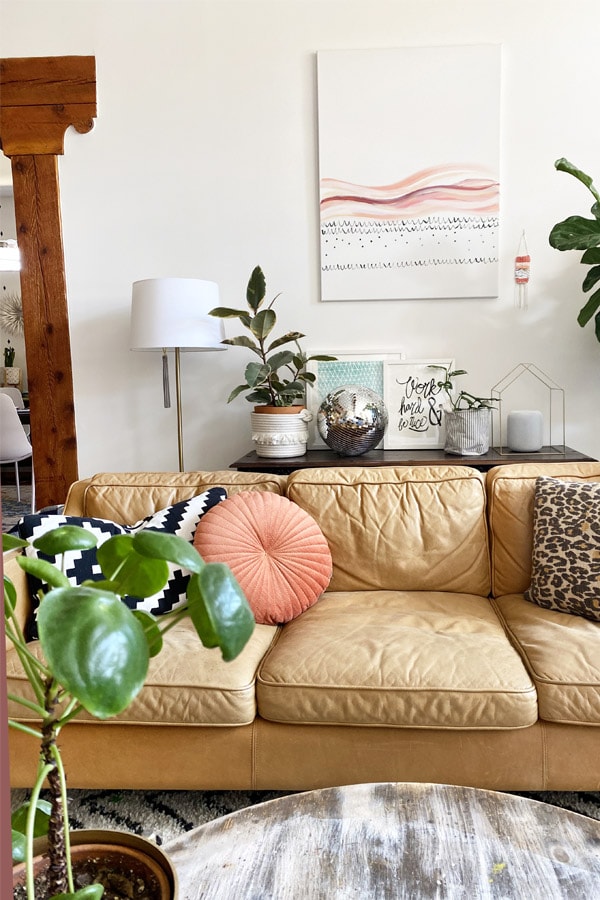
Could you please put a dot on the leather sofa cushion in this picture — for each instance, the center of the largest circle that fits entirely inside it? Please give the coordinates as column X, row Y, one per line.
column 511, row 490
column 562, row 653
column 393, row 658
column 187, row 684
column 130, row 496
column 400, row 528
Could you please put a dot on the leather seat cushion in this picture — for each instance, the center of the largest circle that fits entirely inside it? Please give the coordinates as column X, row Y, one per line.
column 187, row 684
column 395, row 658
column 562, row 653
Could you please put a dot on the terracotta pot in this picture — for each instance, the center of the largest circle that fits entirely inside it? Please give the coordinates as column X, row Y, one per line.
column 279, row 410
column 118, row 851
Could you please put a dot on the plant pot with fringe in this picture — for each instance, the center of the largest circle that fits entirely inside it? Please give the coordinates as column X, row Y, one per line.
column 280, row 431
column 127, row 865
column 468, row 431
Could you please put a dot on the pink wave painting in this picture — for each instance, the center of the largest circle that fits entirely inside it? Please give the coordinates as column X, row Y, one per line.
column 440, row 190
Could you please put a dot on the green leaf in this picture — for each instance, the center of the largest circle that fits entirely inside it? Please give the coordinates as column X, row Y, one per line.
column 89, row 892
column 153, row 634
column 587, row 311
column 283, row 358
column 563, row 165
column 10, row 594
column 11, row 542
column 65, row 538
column 591, row 278
column 597, row 326
column 242, row 341
column 225, row 312
column 132, row 573
column 260, row 396
column 237, row 391
column 575, row 233
column 170, row 547
column 18, row 819
column 43, row 570
column 285, row 339
column 19, row 847
column 219, row 610
column 263, row 323
column 255, row 374
column 257, row 288
column 95, row 647
column 591, row 257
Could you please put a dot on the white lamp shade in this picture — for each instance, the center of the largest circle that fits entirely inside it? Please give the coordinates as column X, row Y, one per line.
column 173, row 312
column 10, row 257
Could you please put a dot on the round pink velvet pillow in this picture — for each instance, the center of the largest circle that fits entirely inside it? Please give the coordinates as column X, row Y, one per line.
column 276, row 551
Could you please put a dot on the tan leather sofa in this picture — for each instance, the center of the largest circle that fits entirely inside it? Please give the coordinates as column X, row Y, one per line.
column 421, row 662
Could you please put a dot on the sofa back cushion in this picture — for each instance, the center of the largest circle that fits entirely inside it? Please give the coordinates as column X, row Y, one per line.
column 130, row 496
column 400, row 528
column 511, row 491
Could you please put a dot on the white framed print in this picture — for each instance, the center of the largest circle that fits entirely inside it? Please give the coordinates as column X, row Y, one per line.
column 414, row 402
column 365, row 369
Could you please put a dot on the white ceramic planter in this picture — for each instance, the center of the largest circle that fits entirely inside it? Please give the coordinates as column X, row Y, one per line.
column 468, row 431
column 12, row 375
column 279, row 434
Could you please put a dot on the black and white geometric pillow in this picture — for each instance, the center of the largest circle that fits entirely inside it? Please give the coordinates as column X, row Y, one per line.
column 180, row 519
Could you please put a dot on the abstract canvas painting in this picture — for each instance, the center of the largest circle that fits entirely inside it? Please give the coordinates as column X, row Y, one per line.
column 409, row 172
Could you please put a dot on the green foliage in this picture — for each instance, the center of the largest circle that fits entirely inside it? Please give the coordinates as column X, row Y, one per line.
column 279, row 379
column 9, row 355
column 462, row 400
column 579, row 233
column 96, row 650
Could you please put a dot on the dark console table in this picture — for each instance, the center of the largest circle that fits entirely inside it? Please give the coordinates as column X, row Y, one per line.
column 325, row 458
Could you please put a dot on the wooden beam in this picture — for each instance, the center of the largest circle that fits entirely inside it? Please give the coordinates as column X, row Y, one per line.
column 39, row 99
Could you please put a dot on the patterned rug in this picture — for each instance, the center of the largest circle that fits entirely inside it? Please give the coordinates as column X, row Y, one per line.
column 12, row 509
column 163, row 815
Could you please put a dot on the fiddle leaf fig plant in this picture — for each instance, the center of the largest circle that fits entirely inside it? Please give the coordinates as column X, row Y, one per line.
column 276, row 379
column 579, row 233
column 95, row 654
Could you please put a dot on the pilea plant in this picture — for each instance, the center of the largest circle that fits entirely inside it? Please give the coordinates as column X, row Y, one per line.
column 462, row 399
column 80, row 628
column 277, row 379
column 579, row 233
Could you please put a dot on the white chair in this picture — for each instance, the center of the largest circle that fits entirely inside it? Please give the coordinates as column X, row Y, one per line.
column 15, row 395
column 14, row 444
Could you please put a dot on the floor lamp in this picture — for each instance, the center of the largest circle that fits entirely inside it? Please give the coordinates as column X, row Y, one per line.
column 172, row 314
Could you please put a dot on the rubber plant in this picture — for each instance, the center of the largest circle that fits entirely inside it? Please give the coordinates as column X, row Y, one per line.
column 81, row 627
column 579, row 233
column 276, row 379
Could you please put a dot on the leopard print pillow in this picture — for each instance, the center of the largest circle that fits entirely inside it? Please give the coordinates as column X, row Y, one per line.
column 565, row 573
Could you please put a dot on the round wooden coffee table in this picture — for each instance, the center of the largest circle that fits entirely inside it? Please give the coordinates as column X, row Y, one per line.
column 392, row 840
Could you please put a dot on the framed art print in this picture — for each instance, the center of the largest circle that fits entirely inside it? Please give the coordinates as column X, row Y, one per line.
column 409, row 163
column 414, row 403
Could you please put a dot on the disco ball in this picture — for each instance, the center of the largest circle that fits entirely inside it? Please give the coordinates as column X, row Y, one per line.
column 351, row 419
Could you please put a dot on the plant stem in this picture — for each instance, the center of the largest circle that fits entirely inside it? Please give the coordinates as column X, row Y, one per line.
column 57, row 868
column 33, row 800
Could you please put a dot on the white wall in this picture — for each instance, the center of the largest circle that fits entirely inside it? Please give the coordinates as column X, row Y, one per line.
column 203, row 163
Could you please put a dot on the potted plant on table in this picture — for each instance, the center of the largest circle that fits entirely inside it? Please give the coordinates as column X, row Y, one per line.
column 94, row 656
column 277, row 381
column 579, row 233
column 467, row 418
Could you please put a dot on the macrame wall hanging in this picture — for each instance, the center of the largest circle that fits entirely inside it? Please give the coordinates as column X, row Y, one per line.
column 522, row 267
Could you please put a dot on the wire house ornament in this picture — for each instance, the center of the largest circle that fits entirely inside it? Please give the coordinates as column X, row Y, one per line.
column 555, row 418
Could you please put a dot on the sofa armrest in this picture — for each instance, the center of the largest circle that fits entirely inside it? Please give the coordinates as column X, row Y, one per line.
column 13, row 570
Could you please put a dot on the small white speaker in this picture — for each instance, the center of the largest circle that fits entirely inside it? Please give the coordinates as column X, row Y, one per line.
column 525, row 430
